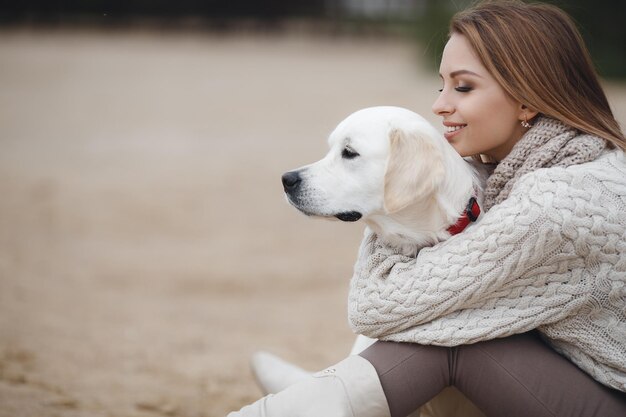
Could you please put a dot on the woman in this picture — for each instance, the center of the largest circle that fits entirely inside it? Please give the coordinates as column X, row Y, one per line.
column 525, row 313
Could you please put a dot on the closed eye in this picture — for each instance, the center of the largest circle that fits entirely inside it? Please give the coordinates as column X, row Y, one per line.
column 348, row 153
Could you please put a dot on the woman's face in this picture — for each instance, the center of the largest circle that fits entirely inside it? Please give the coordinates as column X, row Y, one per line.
column 479, row 117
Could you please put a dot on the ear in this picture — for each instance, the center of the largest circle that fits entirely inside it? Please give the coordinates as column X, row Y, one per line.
column 526, row 113
column 414, row 170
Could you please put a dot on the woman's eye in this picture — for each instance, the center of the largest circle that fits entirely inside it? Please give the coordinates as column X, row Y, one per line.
column 348, row 153
column 460, row 89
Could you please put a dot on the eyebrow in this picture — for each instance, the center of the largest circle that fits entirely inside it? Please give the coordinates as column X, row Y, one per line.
column 462, row 72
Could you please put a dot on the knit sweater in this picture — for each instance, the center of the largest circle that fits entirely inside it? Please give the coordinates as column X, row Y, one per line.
column 550, row 254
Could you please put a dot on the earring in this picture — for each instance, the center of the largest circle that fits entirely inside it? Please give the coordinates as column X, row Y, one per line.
column 525, row 123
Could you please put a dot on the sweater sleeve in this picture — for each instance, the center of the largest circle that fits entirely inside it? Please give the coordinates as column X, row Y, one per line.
column 519, row 268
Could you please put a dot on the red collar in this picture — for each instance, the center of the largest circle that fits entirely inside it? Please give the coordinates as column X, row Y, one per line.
column 471, row 213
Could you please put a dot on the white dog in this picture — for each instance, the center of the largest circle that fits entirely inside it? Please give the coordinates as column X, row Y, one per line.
column 390, row 168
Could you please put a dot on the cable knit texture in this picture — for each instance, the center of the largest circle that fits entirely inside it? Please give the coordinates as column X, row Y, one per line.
column 550, row 255
column 549, row 143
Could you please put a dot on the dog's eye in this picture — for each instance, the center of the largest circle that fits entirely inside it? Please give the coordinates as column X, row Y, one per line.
column 348, row 153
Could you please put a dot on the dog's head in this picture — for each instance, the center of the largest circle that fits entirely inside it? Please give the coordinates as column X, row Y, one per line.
column 381, row 160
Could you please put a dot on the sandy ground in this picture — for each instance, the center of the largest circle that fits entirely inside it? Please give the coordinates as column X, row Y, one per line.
column 146, row 249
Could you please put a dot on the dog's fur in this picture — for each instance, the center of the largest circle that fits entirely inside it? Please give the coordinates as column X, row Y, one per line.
column 390, row 167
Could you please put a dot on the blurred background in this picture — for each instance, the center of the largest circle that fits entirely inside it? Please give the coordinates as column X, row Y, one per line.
column 146, row 249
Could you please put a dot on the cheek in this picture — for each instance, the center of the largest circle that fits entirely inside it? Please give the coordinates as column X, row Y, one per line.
column 495, row 133
column 360, row 188
column 490, row 128
column 490, row 136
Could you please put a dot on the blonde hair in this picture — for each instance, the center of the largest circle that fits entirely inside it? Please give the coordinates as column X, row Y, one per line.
column 537, row 55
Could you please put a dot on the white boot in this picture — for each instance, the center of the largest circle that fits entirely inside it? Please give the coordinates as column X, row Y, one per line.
column 348, row 389
column 274, row 374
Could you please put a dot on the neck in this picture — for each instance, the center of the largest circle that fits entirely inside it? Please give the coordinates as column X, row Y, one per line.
column 426, row 222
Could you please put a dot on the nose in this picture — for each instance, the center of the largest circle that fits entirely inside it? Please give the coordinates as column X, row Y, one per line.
column 291, row 180
column 442, row 105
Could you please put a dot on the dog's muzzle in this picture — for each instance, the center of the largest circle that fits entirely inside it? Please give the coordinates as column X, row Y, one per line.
column 292, row 182
column 349, row 216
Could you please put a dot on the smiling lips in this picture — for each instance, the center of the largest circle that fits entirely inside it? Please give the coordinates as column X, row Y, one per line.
column 452, row 130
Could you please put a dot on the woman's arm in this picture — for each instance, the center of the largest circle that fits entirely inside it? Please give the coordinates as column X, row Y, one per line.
column 517, row 269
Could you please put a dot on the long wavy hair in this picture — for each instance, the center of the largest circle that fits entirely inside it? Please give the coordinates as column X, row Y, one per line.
column 538, row 56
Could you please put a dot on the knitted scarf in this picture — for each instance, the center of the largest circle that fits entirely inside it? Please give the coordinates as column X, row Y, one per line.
column 549, row 143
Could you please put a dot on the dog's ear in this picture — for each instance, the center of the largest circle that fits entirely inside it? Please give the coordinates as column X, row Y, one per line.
column 414, row 170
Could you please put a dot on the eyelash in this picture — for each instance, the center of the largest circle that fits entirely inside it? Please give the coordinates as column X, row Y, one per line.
column 460, row 89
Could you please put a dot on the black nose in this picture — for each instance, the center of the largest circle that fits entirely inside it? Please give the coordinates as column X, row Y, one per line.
column 291, row 180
